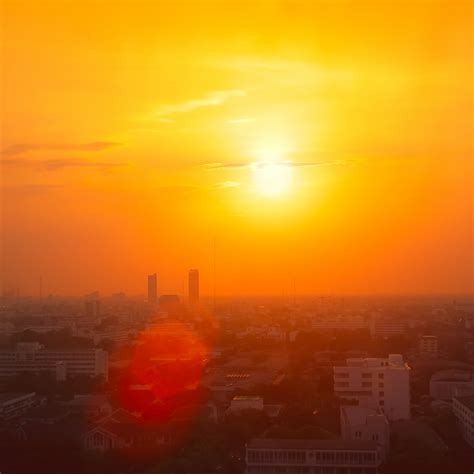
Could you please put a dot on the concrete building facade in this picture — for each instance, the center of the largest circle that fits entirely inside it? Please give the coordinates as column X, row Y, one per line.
column 377, row 383
column 360, row 423
column 32, row 357
column 463, row 409
column 309, row 456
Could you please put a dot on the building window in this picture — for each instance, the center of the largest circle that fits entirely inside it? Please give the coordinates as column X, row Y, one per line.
column 98, row 439
column 381, row 394
column 381, row 403
column 381, row 376
column 366, row 375
column 358, row 434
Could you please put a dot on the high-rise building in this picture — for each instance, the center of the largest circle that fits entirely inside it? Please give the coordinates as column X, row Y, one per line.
column 193, row 286
column 376, row 383
column 152, row 288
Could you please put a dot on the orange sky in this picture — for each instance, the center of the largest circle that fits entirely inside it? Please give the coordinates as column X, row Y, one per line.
column 129, row 130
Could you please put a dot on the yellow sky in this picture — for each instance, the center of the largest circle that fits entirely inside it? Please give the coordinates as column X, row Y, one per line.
column 131, row 129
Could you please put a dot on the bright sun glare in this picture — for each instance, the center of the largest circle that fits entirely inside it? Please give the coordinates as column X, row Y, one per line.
column 272, row 179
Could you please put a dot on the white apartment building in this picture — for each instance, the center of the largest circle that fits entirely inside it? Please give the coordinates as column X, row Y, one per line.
column 32, row 357
column 14, row 404
column 310, row 456
column 463, row 409
column 360, row 423
column 377, row 383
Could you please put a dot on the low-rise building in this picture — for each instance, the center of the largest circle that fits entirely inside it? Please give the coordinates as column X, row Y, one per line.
column 310, row 456
column 463, row 409
column 381, row 326
column 360, row 423
column 445, row 384
column 243, row 402
column 122, row 430
column 338, row 323
column 92, row 405
column 15, row 404
column 34, row 358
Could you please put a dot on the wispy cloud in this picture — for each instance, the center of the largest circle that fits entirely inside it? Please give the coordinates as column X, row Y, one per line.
column 25, row 147
column 298, row 164
column 57, row 164
column 30, row 189
column 212, row 99
column 213, row 166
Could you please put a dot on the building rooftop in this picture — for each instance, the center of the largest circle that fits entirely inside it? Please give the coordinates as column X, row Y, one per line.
column 357, row 415
column 10, row 396
column 468, row 402
column 247, row 398
column 452, row 375
column 393, row 360
column 321, row 444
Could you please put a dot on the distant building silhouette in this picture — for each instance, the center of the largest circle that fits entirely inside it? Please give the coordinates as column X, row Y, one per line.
column 152, row 288
column 169, row 303
column 168, row 299
column 92, row 304
column 193, row 286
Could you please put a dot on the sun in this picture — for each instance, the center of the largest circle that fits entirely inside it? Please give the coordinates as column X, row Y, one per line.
column 272, row 179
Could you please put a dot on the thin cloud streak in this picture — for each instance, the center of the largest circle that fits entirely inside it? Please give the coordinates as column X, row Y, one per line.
column 29, row 190
column 212, row 99
column 300, row 164
column 26, row 147
column 52, row 165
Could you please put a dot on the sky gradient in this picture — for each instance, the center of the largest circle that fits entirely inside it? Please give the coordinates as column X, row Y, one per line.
column 132, row 132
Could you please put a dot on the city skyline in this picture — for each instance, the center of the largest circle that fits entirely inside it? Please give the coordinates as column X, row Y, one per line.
column 236, row 237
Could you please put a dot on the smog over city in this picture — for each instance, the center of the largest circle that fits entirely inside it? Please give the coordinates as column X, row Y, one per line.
column 236, row 237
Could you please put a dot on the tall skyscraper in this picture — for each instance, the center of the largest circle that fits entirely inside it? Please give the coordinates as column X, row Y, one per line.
column 193, row 286
column 152, row 288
